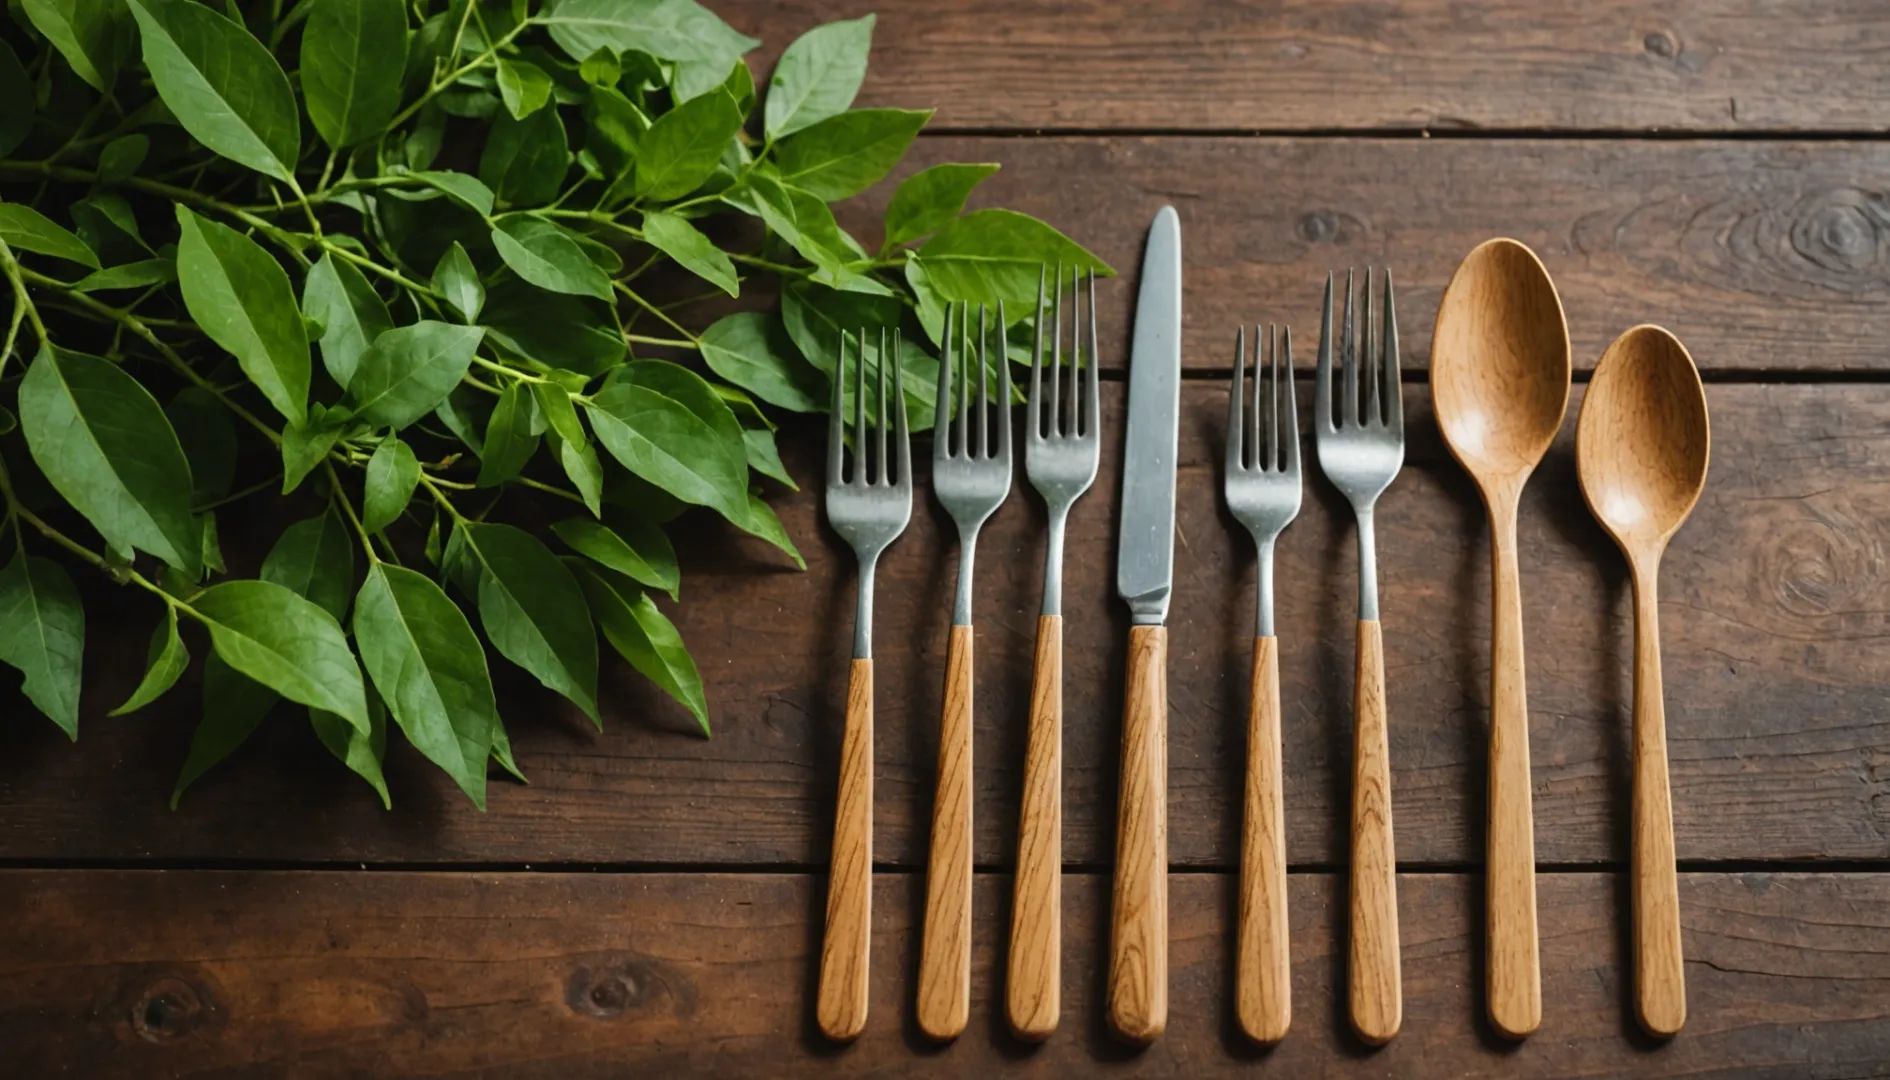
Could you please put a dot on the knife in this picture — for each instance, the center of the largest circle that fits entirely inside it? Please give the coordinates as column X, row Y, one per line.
column 1145, row 564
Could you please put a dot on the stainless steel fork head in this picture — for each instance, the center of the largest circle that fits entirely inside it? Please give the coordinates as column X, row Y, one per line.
column 1363, row 449
column 1063, row 433
column 869, row 507
column 1262, row 478
column 970, row 475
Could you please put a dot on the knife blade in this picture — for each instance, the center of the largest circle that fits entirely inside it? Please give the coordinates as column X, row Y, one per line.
column 1138, row 953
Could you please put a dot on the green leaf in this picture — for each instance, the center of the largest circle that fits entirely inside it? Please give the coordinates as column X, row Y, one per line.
column 105, row 445
column 682, row 148
column 816, row 316
column 554, row 402
column 240, row 296
column 93, row 35
column 993, row 255
column 586, row 472
column 675, row 237
column 107, row 225
column 668, row 29
column 818, row 76
column 502, row 751
column 361, row 752
column 354, row 54
column 26, row 229
column 221, row 84
column 409, row 370
column 352, row 314
column 644, row 636
column 525, row 160
column 523, row 86
column 844, row 155
column 208, row 438
column 429, row 667
column 753, row 351
column 16, row 101
column 392, row 474
column 304, row 446
column 806, row 223
column 456, row 278
column 645, row 427
column 601, row 69
column 42, row 634
column 765, row 457
column 234, row 706
column 533, row 611
column 615, row 126
column 929, row 199
column 121, row 157
column 167, row 661
column 547, row 256
column 762, row 521
column 641, row 551
column 315, row 560
column 555, row 329
column 465, row 190
column 133, row 275
column 288, row 644
column 510, row 441
column 212, row 547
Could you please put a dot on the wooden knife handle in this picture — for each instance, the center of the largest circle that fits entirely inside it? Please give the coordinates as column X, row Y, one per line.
column 1264, row 978
column 1375, row 991
column 1138, row 953
column 1660, row 991
column 1033, row 992
column 1514, row 977
column 945, row 956
column 841, row 1008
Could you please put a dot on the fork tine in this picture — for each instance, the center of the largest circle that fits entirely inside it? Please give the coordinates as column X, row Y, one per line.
column 1289, row 442
column 882, row 474
column 904, row 482
column 836, row 419
column 1322, row 372
column 1092, row 405
column 1236, row 419
column 859, row 411
column 1374, row 410
column 1056, row 360
column 983, row 418
column 1394, row 406
column 964, row 371
column 942, row 414
column 1033, row 426
column 1348, row 358
column 1275, row 458
column 1003, row 418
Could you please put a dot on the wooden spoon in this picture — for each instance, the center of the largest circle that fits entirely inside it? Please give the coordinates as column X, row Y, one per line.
column 1499, row 384
column 1642, row 447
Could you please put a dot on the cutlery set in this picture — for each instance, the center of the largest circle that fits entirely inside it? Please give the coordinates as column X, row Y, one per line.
column 1500, row 375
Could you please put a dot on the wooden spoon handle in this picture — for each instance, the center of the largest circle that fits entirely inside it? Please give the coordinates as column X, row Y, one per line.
column 1375, row 991
column 1033, row 998
column 1264, row 977
column 841, row 1006
column 1138, row 945
column 945, row 957
column 1515, row 980
column 1660, row 991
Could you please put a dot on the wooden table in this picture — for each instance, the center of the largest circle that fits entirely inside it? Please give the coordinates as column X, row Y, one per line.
column 650, row 904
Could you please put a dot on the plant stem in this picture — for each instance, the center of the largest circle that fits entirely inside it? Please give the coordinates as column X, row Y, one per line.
column 340, row 498
column 21, row 301
column 656, row 311
column 454, row 76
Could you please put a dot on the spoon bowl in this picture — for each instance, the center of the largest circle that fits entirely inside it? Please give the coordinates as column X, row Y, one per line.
column 1500, row 363
column 1643, row 440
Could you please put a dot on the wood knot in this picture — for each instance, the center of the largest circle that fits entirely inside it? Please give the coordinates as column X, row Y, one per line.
column 606, row 987
column 1842, row 231
column 1821, row 567
column 1318, row 227
column 1660, row 43
column 168, row 1010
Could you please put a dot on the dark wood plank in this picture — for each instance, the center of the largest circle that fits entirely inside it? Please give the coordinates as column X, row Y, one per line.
column 1761, row 256
column 1615, row 65
column 1774, row 599
column 571, row 976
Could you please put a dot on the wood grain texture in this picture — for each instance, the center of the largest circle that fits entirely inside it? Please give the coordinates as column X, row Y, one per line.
column 1614, row 65
column 1515, row 979
column 945, row 957
column 1138, row 928
column 1775, row 660
column 847, row 938
column 582, row 976
column 1263, row 969
column 1374, row 983
column 1033, row 983
column 1660, row 994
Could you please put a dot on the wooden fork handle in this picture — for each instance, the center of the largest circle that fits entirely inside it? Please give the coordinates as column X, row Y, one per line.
column 1033, row 992
column 1138, row 952
column 841, row 1005
column 945, row 956
column 1660, row 992
column 1514, row 979
column 1375, row 988
column 1264, row 986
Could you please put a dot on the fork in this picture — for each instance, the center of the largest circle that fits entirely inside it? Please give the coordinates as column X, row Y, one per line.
column 1062, row 445
column 869, row 512
column 971, row 479
column 1361, row 454
column 1262, row 488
